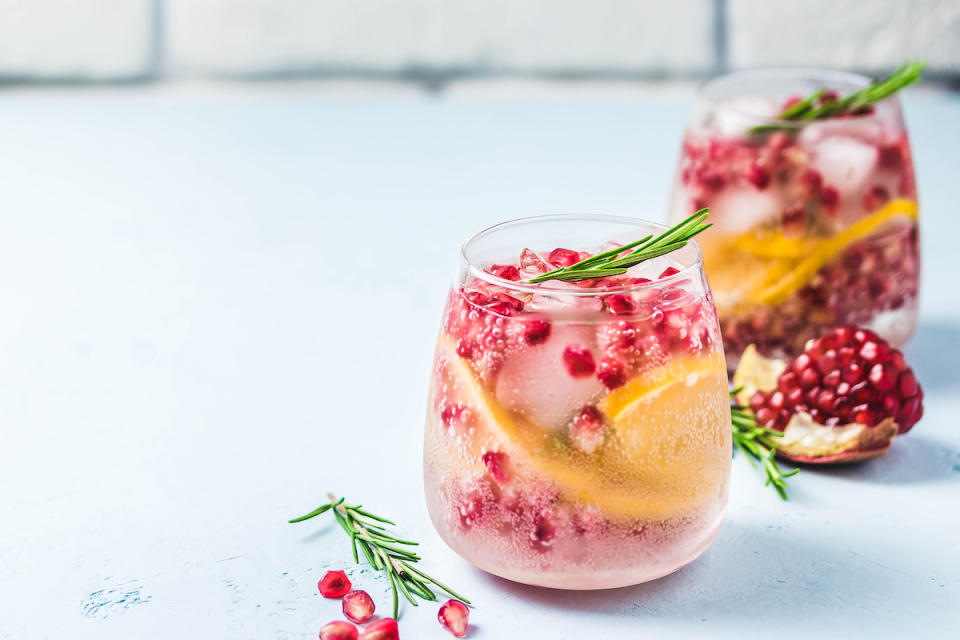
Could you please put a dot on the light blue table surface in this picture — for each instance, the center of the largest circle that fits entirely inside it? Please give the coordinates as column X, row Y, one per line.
column 219, row 304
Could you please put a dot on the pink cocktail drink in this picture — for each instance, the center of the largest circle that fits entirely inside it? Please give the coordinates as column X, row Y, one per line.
column 577, row 434
column 815, row 221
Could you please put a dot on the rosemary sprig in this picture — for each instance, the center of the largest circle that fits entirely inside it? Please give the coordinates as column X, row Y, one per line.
column 614, row 263
column 383, row 551
column 807, row 109
column 757, row 443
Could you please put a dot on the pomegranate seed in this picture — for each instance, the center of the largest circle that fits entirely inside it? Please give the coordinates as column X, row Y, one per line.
column 907, row 384
column 882, row 377
column 530, row 261
column 501, row 308
column 516, row 305
column 477, row 298
column 789, row 102
column 890, row 156
column 536, row 331
column 543, row 533
column 827, row 362
column 358, row 606
column 497, row 464
column 826, row 399
column 713, row 180
column 465, row 348
column 621, row 304
column 801, row 362
column 829, row 198
column 757, row 400
column 578, row 361
column 853, row 373
column 563, row 257
column 876, row 197
column 587, row 428
column 454, row 617
column 611, row 373
column 809, row 378
column 776, row 400
column 794, row 219
column 846, row 355
column 758, row 176
column 812, row 180
column 505, row 271
column 382, row 629
column 669, row 271
column 891, row 406
column 832, row 379
column 794, row 396
column 766, row 416
column 338, row 630
column 788, row 380
column 828, row 96
column 334, row 584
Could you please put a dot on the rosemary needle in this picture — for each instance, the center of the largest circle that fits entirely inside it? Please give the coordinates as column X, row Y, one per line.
column 758, row 444
column 615, row 262
column 383, row 551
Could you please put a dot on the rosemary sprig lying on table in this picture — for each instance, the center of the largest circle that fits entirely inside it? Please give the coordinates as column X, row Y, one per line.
column 612, row 263
column 383, row 551
column 807, row 109
column 757, row 443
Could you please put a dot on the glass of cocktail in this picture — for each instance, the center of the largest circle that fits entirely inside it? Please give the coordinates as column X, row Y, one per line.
column 814, row 204
column 578, row 432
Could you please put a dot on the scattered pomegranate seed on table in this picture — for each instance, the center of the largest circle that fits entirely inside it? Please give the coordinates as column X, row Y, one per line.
column 454, row 617
column 382, row 629
column 358, row 606
column 334, row 584
column 339, row 630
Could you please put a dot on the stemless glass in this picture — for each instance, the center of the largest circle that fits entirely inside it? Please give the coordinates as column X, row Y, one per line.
column 815, row 221
column 577, row 435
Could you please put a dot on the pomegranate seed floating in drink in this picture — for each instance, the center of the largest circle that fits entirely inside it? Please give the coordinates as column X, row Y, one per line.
column 842, row 400
column 578, row 432
column 814, row 202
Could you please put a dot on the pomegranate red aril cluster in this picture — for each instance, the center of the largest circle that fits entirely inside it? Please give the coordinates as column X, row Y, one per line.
column 846, row 376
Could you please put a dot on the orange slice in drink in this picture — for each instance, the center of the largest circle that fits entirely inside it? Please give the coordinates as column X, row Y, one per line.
column 767, row 268
column 621, row 478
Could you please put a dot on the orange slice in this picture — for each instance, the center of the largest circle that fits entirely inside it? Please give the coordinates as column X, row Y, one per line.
column 767, row 268
column 830, row 247
column 616, row 479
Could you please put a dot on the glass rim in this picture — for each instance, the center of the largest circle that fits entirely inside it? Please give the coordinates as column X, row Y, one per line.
column 856, row 79
column 696, row 265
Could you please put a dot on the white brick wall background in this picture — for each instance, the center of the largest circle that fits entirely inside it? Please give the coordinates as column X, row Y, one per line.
column 122, row 40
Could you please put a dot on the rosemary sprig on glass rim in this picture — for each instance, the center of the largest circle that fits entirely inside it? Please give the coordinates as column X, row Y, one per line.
column 807, row 109
column 383, row 551
column 758, row 444
column 615, row 263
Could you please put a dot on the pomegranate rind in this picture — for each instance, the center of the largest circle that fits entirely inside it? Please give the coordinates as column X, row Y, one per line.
column 805, row 440
column 756, row 373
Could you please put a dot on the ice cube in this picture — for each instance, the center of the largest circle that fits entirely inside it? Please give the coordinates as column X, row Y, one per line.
column 535, row 382
column 845, row 163
column 738, row 209
column 735, row 116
